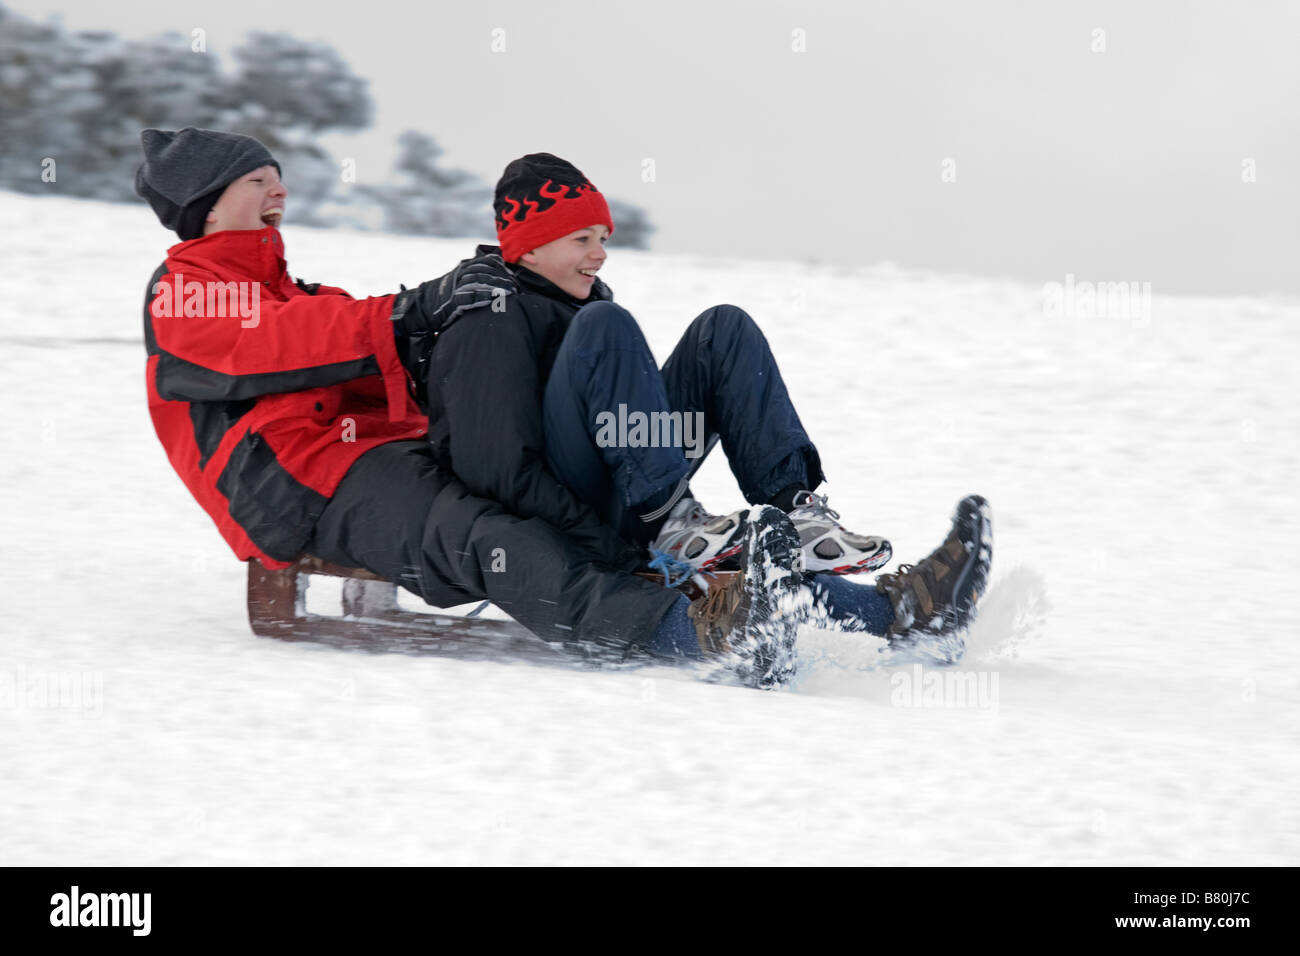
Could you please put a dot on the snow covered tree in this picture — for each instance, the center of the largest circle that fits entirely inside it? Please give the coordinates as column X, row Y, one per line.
column 74, row 104
column 284, row 92
column 631, row 225
column 429, row 200
column 80, row 99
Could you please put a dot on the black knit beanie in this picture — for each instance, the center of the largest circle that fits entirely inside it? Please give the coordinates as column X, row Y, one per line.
column 541, row 197
column 184, row 172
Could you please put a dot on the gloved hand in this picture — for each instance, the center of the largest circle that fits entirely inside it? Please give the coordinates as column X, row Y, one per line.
column 475, row 283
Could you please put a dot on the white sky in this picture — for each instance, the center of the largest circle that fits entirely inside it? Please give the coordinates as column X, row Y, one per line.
column 1120, row 165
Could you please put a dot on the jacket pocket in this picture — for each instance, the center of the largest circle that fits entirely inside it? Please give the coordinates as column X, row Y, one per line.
column 276, row 511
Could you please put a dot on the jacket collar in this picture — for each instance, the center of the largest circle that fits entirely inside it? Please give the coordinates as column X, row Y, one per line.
column 252, row 253
column 530, row 281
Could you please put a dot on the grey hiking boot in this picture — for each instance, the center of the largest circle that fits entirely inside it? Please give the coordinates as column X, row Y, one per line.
column 828, row 548
column 937, row 595
column 704, row 541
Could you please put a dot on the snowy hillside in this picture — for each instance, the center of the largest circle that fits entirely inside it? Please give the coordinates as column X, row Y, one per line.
column 1137, row 650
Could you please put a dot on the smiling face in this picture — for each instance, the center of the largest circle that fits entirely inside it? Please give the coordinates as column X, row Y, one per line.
column 571, row 261
column 253, row 201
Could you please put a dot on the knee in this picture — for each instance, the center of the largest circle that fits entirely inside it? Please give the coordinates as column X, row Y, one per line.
column 726, row 322
column 603, row 324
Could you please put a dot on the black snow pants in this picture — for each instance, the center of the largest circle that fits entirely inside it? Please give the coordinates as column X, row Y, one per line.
column 399, row 515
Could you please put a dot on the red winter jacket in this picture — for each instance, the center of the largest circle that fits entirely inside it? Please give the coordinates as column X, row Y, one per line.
column 262, row 410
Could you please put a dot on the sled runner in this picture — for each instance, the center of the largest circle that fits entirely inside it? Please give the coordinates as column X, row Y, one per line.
column 372, row 619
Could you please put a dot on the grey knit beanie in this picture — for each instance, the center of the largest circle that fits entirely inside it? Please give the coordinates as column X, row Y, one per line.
column 184, row 172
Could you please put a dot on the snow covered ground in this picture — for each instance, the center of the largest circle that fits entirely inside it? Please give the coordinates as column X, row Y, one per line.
column 1135, row 694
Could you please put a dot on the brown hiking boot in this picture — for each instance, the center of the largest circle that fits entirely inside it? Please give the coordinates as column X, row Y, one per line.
column 938, row 594
column 718, row 612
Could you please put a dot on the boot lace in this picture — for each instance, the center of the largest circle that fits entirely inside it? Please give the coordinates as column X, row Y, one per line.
column 897, row 579
column 716, row 607
column 815, row 503
column 697, row 514
column 689, row 518
column 674, row 569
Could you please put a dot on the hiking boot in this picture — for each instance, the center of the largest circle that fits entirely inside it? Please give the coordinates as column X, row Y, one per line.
column 938, row 594
column 827, row 547
column 702, row 540
column 719, row 612
column 746, row 618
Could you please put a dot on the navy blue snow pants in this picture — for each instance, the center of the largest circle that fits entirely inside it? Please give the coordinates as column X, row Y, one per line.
column 723, row 375
column 721, row 384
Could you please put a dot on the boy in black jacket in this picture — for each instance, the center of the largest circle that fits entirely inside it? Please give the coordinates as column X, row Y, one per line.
column 553, row 406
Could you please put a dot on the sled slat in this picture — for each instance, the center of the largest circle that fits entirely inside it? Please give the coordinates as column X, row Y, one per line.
column 277, row 606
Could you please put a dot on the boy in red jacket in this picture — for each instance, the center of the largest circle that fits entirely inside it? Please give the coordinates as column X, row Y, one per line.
column 262, row 408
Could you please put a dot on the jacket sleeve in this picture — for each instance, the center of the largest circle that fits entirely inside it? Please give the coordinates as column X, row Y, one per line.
column 489, row 382
column 257, row 345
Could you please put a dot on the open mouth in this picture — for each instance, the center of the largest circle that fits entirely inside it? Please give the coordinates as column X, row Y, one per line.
column 272, row 217
column 589, row 273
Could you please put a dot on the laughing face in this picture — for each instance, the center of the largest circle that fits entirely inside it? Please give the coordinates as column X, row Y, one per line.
column 571, row 261
column 253, row 201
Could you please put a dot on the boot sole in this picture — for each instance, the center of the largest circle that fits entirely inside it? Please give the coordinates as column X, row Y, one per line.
column 973, row 521
column 773, row 568
column 872, row 562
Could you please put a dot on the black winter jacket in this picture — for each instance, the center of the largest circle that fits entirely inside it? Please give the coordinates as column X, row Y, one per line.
column 485, row 381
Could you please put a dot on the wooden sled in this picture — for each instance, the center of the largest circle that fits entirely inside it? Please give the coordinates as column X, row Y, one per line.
column 372, row 619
